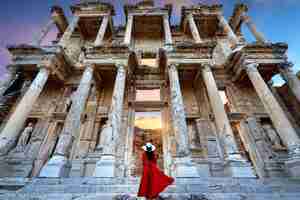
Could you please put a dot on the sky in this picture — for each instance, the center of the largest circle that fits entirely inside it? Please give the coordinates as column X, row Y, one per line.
column 278, row 20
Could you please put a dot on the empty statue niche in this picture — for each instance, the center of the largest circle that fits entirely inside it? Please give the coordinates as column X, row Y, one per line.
column 147, row 128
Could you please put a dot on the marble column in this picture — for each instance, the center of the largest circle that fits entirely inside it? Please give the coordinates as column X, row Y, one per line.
column 222, row 122
column 110, row 133
column 128, row 32
column 231, row 35
column 167, row 29
column 102, row 31
column 259, row 36
column 58, row 165
column 194, row 29
column 235, row 164
column 17, row 120
column 41, row 36
column 291, row 79
column 178, row 113
column 276, row 113
column 68, row 33
column 182, row 164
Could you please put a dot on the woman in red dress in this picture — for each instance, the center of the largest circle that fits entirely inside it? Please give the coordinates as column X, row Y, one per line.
column 153, row 180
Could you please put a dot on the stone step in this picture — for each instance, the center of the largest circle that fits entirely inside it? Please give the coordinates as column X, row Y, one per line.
column 165, row 196
column 183, row 188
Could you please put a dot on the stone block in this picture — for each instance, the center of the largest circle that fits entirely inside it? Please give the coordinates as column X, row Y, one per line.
column 184, row 167
column 57, row 166
column 293, row 167
column 105, row 167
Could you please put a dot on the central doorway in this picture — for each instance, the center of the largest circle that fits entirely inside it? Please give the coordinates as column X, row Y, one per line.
column 147, row 128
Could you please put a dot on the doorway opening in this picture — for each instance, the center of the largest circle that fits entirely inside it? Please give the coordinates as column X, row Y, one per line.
column 147, row 128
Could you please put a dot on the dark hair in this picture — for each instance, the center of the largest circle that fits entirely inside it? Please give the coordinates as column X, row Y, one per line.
column 150, row 155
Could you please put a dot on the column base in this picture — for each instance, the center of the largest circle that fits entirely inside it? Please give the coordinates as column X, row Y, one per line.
column 185, row 168
column 15, row 167
column 237, row 167
column 293, row 163
column 293, row 167
column 57, row 166
column 105, row 167
column 6, row 144
column 168, row 47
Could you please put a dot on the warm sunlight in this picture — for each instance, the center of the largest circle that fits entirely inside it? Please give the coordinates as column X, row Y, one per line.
column 148, row 120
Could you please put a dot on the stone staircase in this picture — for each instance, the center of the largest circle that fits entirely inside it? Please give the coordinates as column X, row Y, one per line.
column 126, row 189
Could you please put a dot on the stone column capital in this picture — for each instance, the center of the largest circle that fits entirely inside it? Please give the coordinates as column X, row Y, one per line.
column 190, row 15
column 173, row 65
column 120, row 67
column 206, row 67
column 286, row 65
column 246, row 19
column 90, row 67
column 251, row 66
column 166, row 16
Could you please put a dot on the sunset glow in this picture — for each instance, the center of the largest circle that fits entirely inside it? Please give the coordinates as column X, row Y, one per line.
column 148, row 120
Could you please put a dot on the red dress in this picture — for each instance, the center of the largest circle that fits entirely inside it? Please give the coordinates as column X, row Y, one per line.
column 153, row 180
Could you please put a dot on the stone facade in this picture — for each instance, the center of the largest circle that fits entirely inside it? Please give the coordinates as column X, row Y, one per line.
column 68, row 109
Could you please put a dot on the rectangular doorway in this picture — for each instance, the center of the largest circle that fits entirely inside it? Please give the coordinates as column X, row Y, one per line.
column 147, row 128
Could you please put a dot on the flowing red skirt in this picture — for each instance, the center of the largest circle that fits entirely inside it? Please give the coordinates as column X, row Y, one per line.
column 153, row 180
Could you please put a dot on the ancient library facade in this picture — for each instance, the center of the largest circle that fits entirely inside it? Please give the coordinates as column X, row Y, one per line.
column 75, row 114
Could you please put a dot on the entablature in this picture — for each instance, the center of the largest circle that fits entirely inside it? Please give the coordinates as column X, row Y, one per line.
column 189, row 54
column 29, row 58
column 267, row 56
column 147, row 8
column 202, row 9
column 92, row 8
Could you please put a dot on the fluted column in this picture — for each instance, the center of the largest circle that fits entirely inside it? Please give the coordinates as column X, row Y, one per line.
column 168, row 34
column 194, row 29
column 259, row 36
column 58, row 164
column 128, row 32
column 102, row 30
column 178, row 113
column 68, row 33
column 276, row 113
column 292, row 80
column 110, row 133
column 222, row 122
column 231, row 35
column 16, row 122
column 41, row 36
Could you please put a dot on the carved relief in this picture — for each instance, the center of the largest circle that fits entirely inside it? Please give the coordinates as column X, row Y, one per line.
column 272, row 138
column 24, row 139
